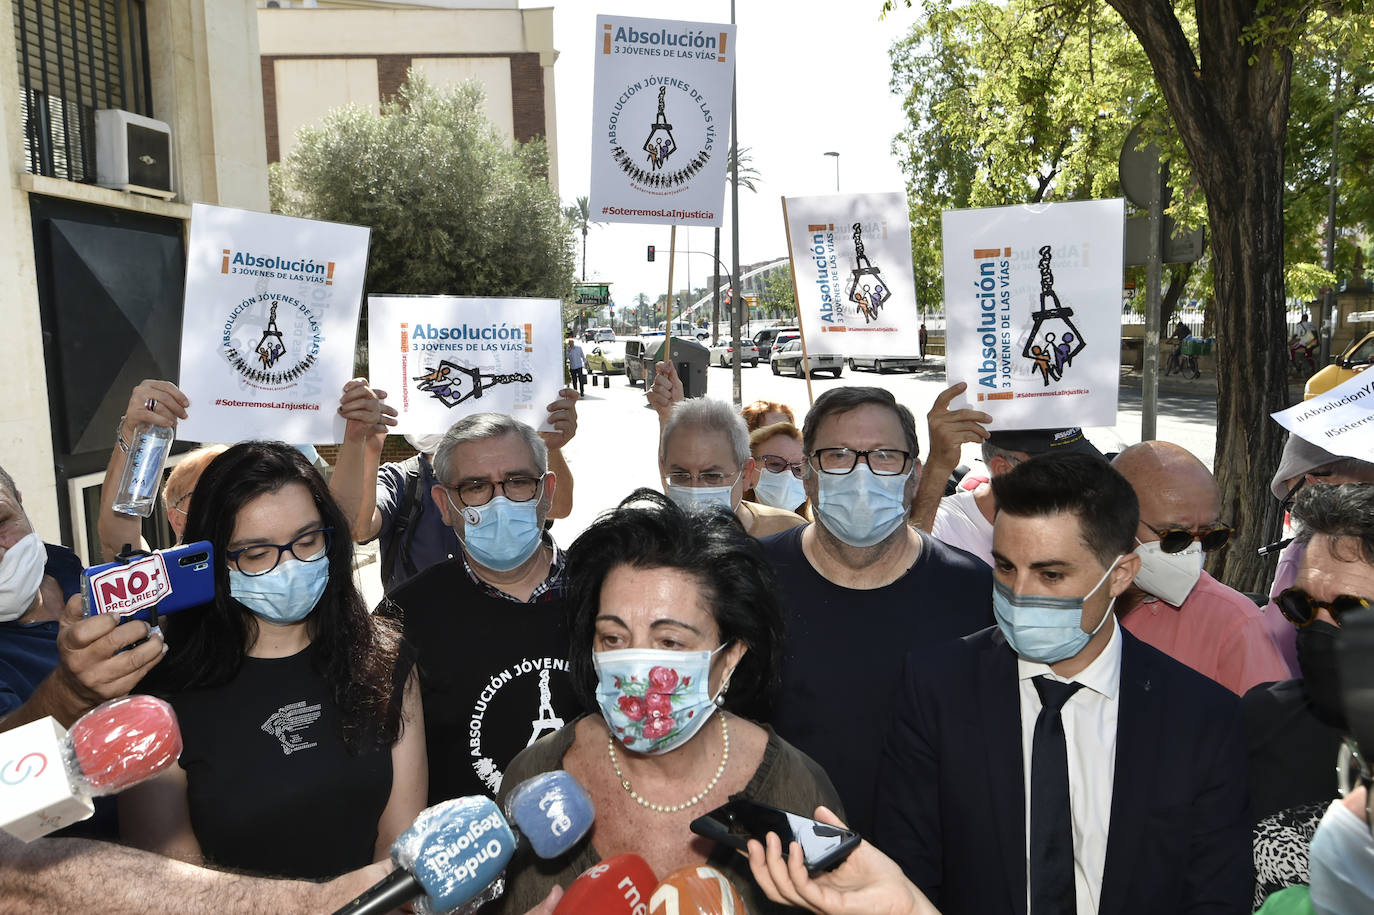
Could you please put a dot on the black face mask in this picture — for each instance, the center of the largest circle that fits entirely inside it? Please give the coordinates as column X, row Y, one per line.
column 1320, row 674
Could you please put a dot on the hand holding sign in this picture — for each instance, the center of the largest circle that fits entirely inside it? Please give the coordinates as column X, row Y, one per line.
column 92, row 664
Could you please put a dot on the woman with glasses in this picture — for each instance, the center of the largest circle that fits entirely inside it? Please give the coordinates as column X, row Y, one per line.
column 304, row 747
column 676, row 634
column 778, row 462
column 704, row 459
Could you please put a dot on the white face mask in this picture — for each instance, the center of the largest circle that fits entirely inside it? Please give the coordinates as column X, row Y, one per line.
column 21, row 575
column 1168, row 576
column 780, row 490
column 425, row 444
column 1341, row 863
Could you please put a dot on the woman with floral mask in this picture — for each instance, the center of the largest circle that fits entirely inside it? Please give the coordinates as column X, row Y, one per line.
column 304, row 749
column 676, row 629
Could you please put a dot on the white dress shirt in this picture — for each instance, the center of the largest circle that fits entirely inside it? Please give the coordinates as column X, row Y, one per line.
column 1090, row 738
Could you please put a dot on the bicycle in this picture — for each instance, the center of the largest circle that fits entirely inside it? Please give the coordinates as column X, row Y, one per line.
column 1181, row 364
column 1302, row 365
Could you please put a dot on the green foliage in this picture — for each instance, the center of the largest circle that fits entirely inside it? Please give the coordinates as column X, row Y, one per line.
column 453, row 208
column 777, row 298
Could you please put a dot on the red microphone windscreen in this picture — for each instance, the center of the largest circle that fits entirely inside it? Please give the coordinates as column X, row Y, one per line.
column 121, row 742
column 620, row 885
column 696, row 890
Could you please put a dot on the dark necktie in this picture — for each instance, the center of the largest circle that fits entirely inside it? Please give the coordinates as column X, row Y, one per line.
column 1051, row 821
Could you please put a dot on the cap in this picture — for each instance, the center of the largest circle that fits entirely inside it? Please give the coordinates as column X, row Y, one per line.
column 1299, row 456
column 1044, row 441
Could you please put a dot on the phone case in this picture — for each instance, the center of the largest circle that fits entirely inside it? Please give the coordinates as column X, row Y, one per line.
column 715, row 826
column 151, row 583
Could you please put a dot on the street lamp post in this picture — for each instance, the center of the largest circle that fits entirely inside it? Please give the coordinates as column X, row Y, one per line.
column 837, row 170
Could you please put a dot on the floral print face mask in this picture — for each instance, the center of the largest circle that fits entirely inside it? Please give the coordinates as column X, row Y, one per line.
column 655, row 700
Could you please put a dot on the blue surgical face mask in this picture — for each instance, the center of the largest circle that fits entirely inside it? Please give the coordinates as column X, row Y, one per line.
column 287, row 594
column 861, row 507
column 501, row 534
column 1045, row 629
column 697, row 497
column 1341, row 864
column 655, row 700
column 780, row 490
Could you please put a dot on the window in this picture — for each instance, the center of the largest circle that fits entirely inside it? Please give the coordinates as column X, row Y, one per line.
column 76, row 56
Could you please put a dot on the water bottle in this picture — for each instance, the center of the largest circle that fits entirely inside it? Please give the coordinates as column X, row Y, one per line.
column 142, row 476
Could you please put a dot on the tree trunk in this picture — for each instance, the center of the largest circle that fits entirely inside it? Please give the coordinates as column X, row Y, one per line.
column 1178, row 279
column 1232, row 115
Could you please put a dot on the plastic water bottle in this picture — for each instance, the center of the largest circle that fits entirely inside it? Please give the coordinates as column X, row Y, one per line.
column 142, row 476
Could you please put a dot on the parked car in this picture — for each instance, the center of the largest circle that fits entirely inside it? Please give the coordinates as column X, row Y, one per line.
column 881, row 364
column 789, row 359
column 766, row 339
column 1357, row 358
column 607, row 357
column 723, row 353
column 602, row 334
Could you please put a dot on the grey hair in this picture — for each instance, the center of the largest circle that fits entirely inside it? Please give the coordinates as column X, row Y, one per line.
column 991, row 451
column 481, row 426
column 7, row 482
column 1337, row 512
column 708, row 416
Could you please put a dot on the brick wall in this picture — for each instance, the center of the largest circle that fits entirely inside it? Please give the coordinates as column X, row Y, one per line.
column 395, row 450
column 527, row 96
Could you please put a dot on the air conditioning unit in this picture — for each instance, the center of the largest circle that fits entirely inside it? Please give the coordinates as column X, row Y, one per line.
column 133, row 153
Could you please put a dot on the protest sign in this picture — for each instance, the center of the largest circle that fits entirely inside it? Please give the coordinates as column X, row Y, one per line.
column 1033, row 311
column 269, row 325
column 661, row 120
column 851, row 258
column 1340, row 420
column 440, row 358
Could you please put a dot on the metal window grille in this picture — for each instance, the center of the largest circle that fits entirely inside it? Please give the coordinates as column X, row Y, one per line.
column 76, row 56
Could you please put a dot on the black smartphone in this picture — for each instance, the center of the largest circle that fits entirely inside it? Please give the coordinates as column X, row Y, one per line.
column 734, row 824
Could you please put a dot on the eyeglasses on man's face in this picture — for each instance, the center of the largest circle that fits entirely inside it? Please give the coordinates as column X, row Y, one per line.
column 1301, row 608
column 476, row 493
column 884, row 462
column 709, row 478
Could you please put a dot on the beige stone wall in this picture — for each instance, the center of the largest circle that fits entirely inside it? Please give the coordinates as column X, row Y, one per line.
column 205, row 79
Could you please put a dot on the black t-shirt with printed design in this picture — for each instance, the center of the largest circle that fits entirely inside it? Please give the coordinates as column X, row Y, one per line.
column 272, row 787
column 493, row 673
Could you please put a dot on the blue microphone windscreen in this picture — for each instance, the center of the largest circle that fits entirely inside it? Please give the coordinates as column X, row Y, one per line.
column 552, row 810
column 456, row 850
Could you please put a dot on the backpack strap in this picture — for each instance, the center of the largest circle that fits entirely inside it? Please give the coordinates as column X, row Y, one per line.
column 404, row 523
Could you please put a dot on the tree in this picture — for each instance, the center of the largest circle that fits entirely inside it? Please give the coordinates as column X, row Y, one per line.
column 1038, row 111
column 581, row 217
column 453, row 208
column 747, row 176
column 777, row 298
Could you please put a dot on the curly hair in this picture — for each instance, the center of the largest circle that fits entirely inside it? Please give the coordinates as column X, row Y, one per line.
column 650, row 531
column 355, row 652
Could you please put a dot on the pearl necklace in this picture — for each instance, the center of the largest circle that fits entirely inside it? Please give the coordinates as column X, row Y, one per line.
column 696, row 799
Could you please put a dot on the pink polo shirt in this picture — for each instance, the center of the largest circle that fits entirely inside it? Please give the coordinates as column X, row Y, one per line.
column 1218, row 632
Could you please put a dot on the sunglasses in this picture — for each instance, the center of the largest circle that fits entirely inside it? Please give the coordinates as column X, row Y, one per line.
column 1301, row 609
column 1178, row 539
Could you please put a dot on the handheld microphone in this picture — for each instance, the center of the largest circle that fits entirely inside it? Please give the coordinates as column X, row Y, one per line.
column 452, row 855
column 696, row 890
column 617, row 886
column 552, row 810
column 49, row 775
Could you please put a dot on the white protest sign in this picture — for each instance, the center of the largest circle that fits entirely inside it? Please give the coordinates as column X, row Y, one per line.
column 1340, row 420
column 269, row 326
column 661, row 120
column 440, row 358
column 1033, row 311
column 851, row 257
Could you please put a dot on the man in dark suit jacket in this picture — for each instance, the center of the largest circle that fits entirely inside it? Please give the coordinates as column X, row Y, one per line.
column 1053, row 763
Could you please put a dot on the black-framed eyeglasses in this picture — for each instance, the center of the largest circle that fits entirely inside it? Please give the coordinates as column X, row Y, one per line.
column 476, row 493
column 1178, row 539
column 261, row 558
column 709, row 478
column 1301, row 608
column 775, row 463
column 885, row 462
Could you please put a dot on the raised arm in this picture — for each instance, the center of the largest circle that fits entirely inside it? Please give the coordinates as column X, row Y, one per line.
column 354, row 482
column 169, row 404
column 563, row 418
column 947, row 430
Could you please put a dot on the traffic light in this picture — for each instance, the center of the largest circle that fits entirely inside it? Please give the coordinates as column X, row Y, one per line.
column 651, row 254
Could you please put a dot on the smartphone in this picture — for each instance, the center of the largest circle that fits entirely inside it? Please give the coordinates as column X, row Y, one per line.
column 734, row 824
column 148, row 585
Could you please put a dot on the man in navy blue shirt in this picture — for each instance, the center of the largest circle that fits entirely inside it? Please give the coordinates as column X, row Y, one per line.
column 46, row 669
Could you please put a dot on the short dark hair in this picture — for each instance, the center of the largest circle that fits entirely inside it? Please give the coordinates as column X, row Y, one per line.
column 1337, row 511
column 649, row 531
column 850, row 397
column 1106, row 505
column 354, row 651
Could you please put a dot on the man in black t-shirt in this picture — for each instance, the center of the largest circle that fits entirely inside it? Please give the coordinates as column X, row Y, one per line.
column 862, row 588
column 487, row 624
